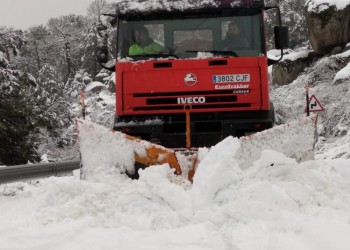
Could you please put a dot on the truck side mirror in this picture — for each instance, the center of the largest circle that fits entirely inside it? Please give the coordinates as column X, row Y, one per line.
column 281, row 37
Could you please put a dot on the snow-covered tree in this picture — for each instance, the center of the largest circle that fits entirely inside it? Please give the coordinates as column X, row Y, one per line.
column 50, row 100
column 292, row 16
column 66, row 36
column 17, row 116
column 93, row 40
column 37, row 50
column 10, row 41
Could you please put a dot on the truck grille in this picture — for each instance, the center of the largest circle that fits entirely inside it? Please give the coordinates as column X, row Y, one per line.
column 197, row 100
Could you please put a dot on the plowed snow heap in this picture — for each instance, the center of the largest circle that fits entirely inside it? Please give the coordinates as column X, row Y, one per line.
column 188, row 75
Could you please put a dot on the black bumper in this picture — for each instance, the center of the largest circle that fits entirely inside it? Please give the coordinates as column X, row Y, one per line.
column 206, row 129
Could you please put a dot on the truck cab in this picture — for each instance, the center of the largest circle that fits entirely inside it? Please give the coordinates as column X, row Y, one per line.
column 195, row 72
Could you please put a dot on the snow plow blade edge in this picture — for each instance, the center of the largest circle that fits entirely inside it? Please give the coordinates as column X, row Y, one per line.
column 102, row 148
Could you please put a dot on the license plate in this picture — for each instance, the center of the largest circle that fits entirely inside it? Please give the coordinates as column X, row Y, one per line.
column 231, row 78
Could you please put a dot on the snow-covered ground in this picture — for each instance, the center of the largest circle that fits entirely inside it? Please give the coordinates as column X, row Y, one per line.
column 274, row 204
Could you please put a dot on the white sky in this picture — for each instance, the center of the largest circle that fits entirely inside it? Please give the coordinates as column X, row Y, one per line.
column 26, row 13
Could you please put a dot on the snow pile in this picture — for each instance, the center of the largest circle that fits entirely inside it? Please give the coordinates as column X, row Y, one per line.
column 284, row 205
column 295, row 139
column 104, row 153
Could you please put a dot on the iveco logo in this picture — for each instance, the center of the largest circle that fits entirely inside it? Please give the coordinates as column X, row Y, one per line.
column 189, row 100
column 190, row 79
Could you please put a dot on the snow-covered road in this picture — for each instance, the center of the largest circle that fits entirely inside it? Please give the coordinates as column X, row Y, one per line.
column 274, row 204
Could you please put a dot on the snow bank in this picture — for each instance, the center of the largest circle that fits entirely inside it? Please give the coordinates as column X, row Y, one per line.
column 295, row 139
column 275, row 203
column 282, row 206
column 218, row 164
column 104, row 153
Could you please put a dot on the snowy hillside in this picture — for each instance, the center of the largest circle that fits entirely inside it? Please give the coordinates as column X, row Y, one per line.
column 329, row 81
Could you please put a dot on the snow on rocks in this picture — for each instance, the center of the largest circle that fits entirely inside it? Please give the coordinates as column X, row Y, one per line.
column 320, row 5
column 342, row 75
column 95, row 87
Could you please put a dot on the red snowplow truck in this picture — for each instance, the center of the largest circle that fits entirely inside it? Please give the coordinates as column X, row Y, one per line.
column 188, row 72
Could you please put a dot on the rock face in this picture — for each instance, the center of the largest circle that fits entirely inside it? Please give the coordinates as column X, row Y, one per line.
column 329, row 27
column 288, row 70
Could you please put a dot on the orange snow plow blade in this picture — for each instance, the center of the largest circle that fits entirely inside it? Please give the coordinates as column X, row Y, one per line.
column 105, row 150
column 156, row 155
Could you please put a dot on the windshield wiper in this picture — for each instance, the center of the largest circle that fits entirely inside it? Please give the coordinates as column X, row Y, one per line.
column 215, row 52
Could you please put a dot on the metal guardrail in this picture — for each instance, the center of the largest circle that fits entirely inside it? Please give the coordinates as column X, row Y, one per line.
column 21, row 172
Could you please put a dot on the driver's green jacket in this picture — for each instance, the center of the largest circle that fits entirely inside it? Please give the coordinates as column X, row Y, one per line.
column 152, row 48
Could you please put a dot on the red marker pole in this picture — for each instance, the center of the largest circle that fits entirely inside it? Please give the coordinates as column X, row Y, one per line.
column 307, row 100
column 82, row 102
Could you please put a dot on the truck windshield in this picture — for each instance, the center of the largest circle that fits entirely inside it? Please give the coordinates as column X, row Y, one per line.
column 228, row 36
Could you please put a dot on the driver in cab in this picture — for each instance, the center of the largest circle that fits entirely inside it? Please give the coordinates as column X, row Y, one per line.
column 143, row 43
column 234, row 37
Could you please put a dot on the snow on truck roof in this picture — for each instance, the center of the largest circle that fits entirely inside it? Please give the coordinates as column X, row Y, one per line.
column 127, row 6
